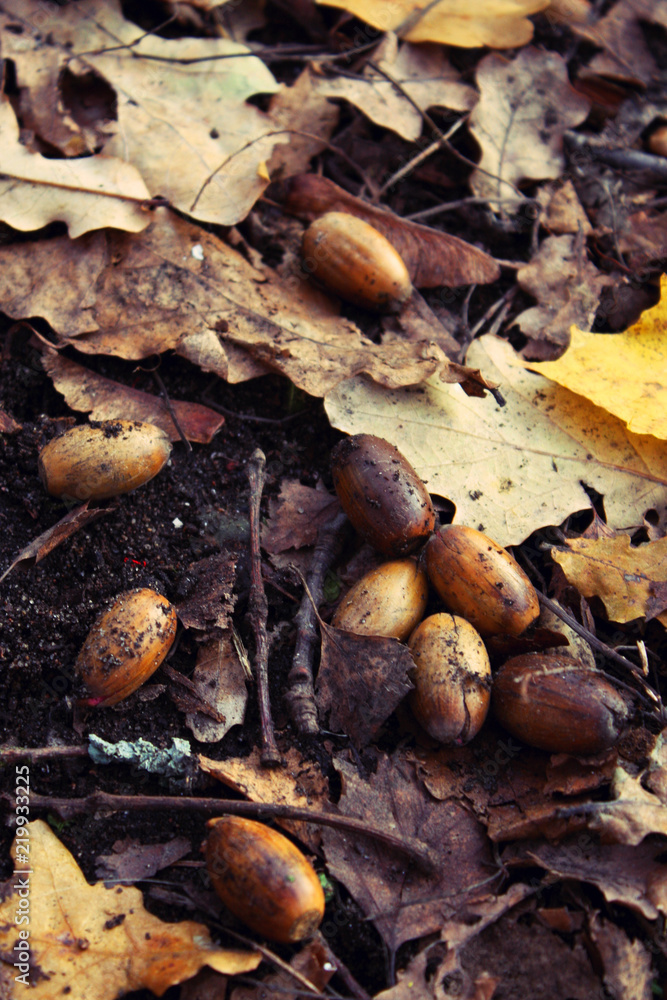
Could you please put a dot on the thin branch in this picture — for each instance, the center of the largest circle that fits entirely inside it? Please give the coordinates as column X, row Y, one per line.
column 9, row 754
column 172, row 412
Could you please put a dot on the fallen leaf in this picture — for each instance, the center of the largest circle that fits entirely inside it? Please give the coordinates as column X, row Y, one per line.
column 312, row 961
column 85, row 194
column 424, row 74
column 7, row 423
column 105, row 399
column 403, row 902
column 299, row 782
column 361, row 680
column 54, row 536
column 564, row 213
column 626, row 964
column 297, row 515
column 101, row 939
column 309, row 119
column 212, row 597
column 432, row 257
column 513, row 469
column 619, row 33
column 567, row 287
column 630, row 580
column 131, row 861
column 525, row 106
column 624, row 373
column 451, row 22
column 219, row 681
column 631, row 815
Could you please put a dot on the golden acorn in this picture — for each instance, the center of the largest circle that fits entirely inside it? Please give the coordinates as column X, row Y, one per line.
column 381, row 494
column 263, row 879
column 95, row 463
column 351, row 258
column 126, row 645
column 480, row 581
column 390, row 600
column 452, row 678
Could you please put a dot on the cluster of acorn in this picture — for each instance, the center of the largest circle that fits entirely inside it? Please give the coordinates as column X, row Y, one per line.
column 550, row 701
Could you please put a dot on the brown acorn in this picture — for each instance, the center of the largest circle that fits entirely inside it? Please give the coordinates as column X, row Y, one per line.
column 95, row 463
column 452, row 678
column 381, row 494
column 126, row 645
column 480, row 581
column 390, row 600
column 263, row 879
column 554, row 703
column 351, row 258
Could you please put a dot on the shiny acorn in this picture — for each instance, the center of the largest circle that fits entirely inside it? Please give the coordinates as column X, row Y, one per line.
column 126, row 645
column 381, row 494
column 554, row 703
column 480, row 581
column 351, row 258
column 263, row 879
column 452, row 678
column 97, row 462
column 390, row 600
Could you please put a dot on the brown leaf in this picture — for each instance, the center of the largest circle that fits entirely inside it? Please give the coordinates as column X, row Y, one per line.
column 295, row 518
column 433, row 258
column 102, row 940
column 54, row 536
column 301, row 108
column 362, row 678
column 7, row 424
column 131, row 861
column 405, row 903
column 212, row 597
column 105, row 399
column 311, row 961
column 626, row 964
column 299, row 782
column 219, row 681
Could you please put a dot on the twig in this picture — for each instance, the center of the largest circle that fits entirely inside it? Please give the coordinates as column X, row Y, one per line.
column 451, row 206
column 421, row 853
column 170, row 409
column 342, row 970
column 258, row 611
column 503, row 304
column 9, row 754
column 279, row 962
column 622, row 159
column 300, row 696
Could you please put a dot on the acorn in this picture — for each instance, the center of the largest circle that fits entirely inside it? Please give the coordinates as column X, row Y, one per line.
column 97, row 462
column 390, row 600
column 126, row 645
column 452, row 678
column 554, row 703
column 351, row 258
column 263, row 879
column 480, row 581
column 381, row 494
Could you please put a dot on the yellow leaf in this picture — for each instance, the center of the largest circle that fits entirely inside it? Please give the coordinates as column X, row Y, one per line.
column 625, row 373
column 100, row 939
column 500, row 24
column 631, row 582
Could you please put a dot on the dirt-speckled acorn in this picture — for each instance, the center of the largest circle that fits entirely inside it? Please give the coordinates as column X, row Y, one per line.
column 351, row 258
column 263, row 879
column 480, row 581
column 390, row 600
column 126, row 645
column 452, row 678
column 95, row 463
column 554, row 703
column 381, row 494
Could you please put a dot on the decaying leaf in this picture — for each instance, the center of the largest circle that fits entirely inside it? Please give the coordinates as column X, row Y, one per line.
column 85, row 194
column 296, row 517
column 105, row 399
column 312, row 961
column 7, row 423
column 103, row 940
column 495, row 23
column 631, row 815
column 627, row 964
column 433, row 258
column 361, row 680
column 212, row 598
column 310, row 120
column 68, row 525
column 526, row 104
column 630, row 580
column 219, row 681
column 625, row 373
column 513, row 469
column 131, row 861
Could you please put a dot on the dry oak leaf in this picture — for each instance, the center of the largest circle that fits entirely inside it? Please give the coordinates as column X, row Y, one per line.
column 423, row 72
column 207, row 146
column 624, row 373
column 146, row 294
column 432, row 257
column 54, row 536
column 311, row 120
column 219, row 681
column 627, row 965
column 297, row 515
column 525, row 106
column 402, row 901
column 105, row 399
column 85, row 194
column 632, row 814
column 102, row 940
column 499, row 24
column 513, row 469
column 631, row 581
